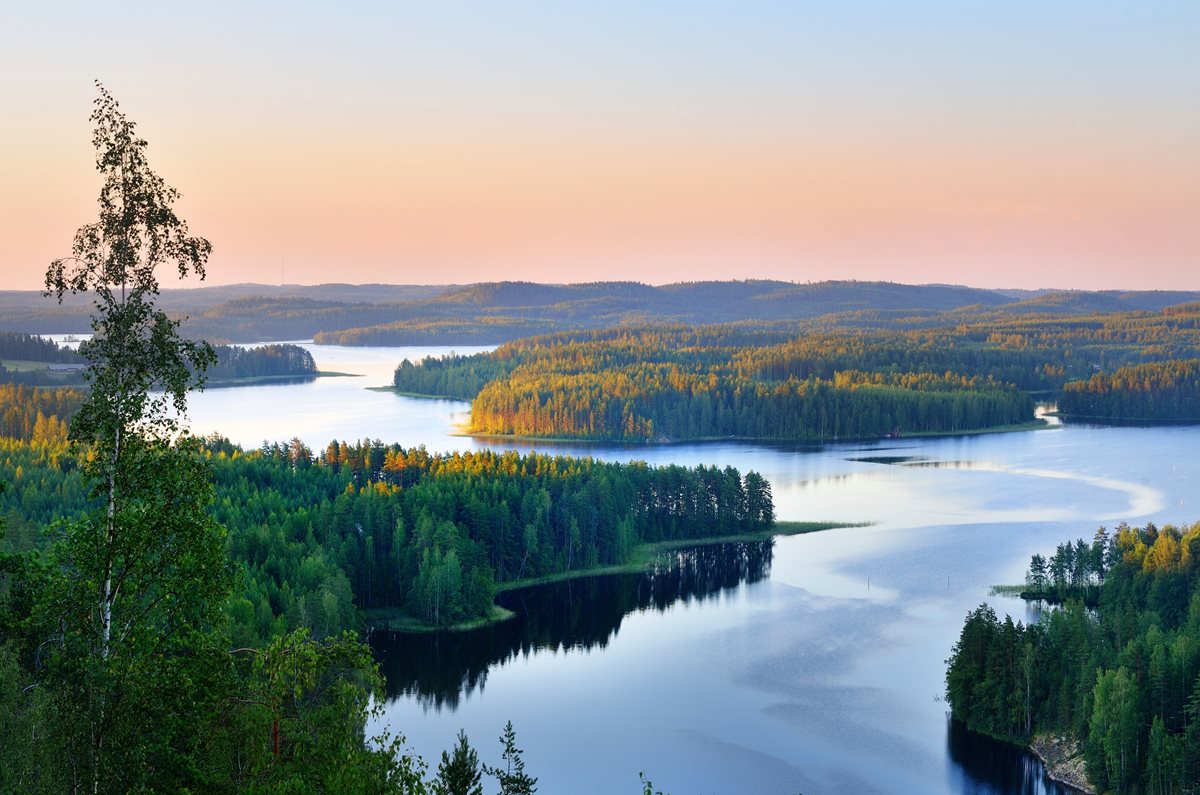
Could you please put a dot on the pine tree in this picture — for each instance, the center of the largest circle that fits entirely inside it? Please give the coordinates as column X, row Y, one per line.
column 512, row 776
column 458, row 773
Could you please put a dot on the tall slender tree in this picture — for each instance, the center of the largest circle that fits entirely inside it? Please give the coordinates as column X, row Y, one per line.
column 135, row 347
column 135, row 687
column 138, row 588
column 512, row 776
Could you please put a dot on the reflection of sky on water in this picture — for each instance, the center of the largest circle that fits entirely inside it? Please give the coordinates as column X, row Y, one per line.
column 331, row 408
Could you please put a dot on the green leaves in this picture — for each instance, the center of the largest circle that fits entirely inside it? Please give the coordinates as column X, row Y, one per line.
column 135, row 348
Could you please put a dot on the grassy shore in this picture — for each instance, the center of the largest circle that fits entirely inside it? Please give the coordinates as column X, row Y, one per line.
column 28, row 366
column 644, row 558
column 392, row 620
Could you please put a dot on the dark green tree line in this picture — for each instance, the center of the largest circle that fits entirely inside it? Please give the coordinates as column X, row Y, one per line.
column 1156, row 391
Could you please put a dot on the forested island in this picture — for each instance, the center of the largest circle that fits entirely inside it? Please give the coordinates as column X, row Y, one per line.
column 1123, row 679
column 854, row 377
column 235, row 364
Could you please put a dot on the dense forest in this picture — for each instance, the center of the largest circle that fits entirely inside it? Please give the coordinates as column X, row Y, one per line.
column 313, row 540
column 30, row 347
column 1156, row 392
column 766, row 382
column 1124, row 678
column 265, row 361
column 37, row 415
column 317, row 538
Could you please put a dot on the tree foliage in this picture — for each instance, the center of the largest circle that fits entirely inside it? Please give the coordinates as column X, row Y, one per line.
column 1124, row 678
column 459, row 772
column 1156, row 391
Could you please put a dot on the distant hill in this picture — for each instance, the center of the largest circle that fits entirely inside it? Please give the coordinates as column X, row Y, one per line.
column 495, row 312
column 500, row 311
column 1083, row 302
column 210, row 307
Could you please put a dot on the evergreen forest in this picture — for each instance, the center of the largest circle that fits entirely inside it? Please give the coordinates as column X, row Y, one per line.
column 1116, row 665
column 1166, row 391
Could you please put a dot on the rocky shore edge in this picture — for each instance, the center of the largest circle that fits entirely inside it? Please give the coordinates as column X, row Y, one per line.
column 1063, row 760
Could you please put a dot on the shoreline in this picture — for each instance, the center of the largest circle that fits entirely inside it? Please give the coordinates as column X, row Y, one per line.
column 59, row 379
column 1036, row 424
column 1020, row 427
column 643, row 559
column 1063, row 761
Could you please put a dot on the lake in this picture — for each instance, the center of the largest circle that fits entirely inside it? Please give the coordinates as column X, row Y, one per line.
column 814, row 665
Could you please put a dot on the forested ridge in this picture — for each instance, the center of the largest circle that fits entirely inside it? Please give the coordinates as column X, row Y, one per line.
column 492, row 313
column 500, row 311
column 1123, row 678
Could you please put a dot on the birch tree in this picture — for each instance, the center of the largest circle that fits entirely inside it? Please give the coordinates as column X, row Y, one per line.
column 140, row 583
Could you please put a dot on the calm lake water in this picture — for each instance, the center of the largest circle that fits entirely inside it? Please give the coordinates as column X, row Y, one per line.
column 814, row 665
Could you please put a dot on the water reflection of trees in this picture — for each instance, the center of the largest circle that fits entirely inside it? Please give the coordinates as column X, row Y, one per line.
column 989, row 765
column 439, row 668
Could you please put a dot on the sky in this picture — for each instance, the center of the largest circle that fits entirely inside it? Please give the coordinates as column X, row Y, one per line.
column 1017, row 144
